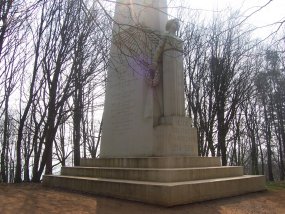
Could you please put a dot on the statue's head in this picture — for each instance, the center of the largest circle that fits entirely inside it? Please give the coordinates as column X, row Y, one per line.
column 172, row 26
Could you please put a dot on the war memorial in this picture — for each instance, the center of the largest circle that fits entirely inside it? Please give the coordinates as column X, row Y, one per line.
column 149, row 149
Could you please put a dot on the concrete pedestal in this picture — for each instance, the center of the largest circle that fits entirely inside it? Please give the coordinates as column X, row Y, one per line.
column 166, row 181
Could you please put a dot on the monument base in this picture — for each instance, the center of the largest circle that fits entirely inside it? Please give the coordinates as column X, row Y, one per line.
column 166, row 181
column 175, row 136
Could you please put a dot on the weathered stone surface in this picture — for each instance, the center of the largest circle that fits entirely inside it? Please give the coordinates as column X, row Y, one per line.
column 130, row 102
column 154, row 174
column 166, row 181
column 165, row 194
column 133, row 108
column 153, row 162
column 173, row 78
column 174, row 136
column 148, row 13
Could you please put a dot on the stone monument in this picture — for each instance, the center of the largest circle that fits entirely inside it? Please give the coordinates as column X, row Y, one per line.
column 144, row 111
column 149, row 150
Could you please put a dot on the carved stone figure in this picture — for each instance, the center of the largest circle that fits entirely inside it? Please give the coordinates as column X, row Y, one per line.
column 128, row 40
column 172, row 26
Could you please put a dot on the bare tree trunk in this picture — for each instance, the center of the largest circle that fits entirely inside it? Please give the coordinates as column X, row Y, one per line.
column 268, row 143
column 4, row 158
column 5, row 7
column 18, row 175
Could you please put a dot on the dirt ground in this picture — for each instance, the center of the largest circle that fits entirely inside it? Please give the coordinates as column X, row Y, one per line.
column 34, row 198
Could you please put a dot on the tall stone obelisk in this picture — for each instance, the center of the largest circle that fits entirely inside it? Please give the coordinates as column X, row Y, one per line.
column 141, row 120
column 151, row 13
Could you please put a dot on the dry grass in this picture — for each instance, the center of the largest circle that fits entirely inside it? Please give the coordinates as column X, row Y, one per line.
column 33, row 198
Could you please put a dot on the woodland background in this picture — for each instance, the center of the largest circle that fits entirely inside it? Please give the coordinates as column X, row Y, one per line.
column 53, row 64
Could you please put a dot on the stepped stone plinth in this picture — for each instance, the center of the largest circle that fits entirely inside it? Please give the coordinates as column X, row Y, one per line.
column 149, row 149
column 166, row 181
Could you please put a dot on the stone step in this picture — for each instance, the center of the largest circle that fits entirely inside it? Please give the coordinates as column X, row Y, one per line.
column 153, row 162
column 151, row 174
column 165, row 194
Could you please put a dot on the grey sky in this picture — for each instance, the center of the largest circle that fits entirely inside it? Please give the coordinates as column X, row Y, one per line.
column 273, row 12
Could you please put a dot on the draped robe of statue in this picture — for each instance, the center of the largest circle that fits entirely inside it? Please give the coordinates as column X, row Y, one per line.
column 144, row 112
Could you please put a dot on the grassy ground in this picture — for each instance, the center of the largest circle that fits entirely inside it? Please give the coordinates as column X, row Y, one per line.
column 280, row 185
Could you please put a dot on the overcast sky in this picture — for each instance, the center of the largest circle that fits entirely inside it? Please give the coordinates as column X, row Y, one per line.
column 273, row 12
